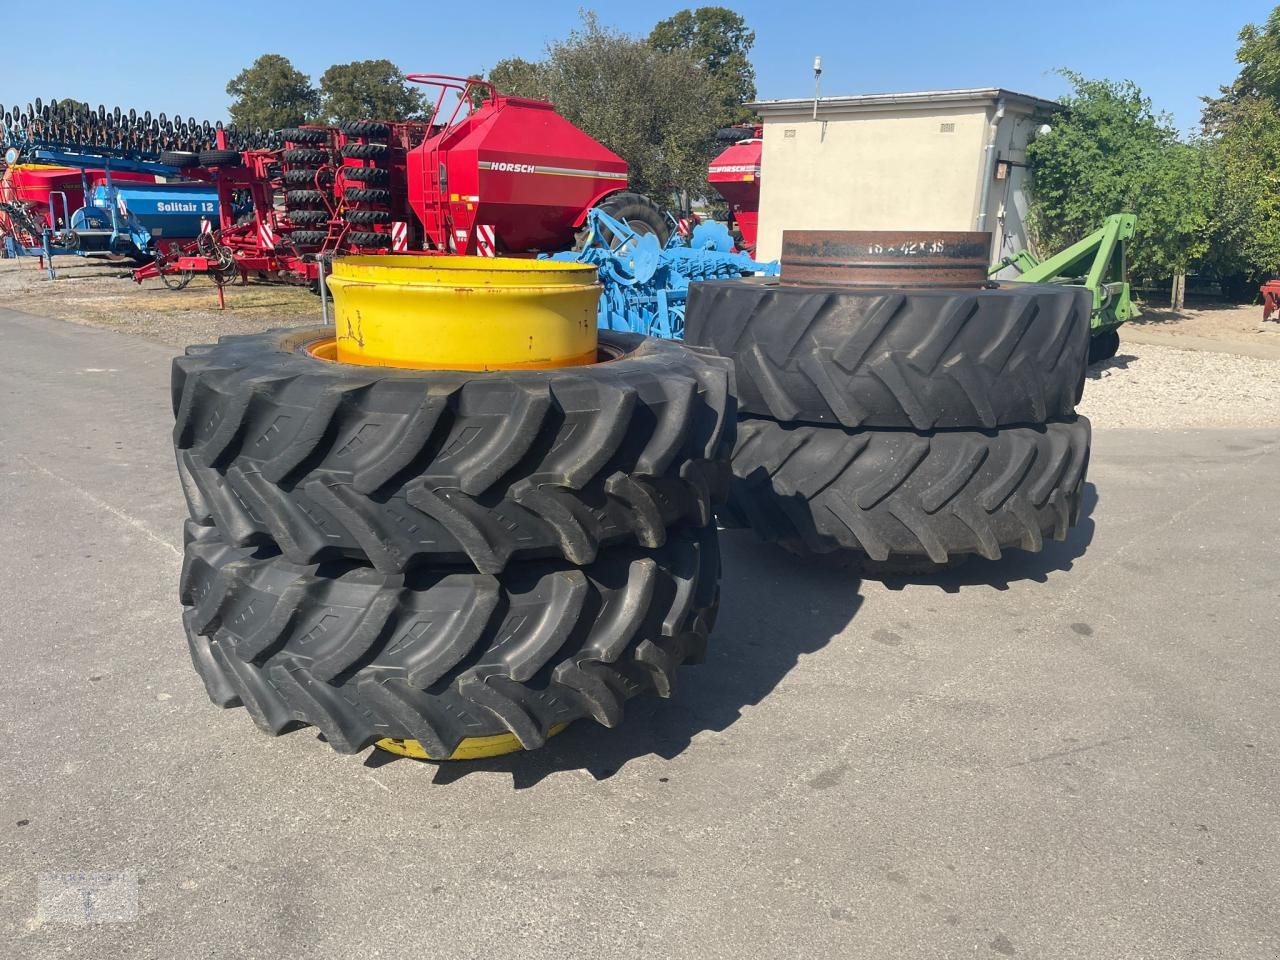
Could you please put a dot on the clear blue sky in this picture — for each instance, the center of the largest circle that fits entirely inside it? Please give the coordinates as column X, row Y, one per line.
column 178, row 59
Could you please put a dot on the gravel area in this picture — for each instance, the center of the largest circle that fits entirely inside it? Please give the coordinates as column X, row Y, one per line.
column 1146, row 385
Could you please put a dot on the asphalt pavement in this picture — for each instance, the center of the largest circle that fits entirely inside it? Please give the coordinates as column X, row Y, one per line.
column 1062, row 755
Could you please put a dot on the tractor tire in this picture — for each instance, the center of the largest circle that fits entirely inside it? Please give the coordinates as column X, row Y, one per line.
column 309, row 216
column 304, row 136
column 901, row 496
column 304, row 155
column 365, row 151
column 898, row 359
column 1104, row 346
column 179, row 158
column 366, row 174
column 297, row 199
column 365, row 129
column 307, row 177
column 440, row 656
column 308, row 238
column 366, row 218
column 396, row 467
column 638, row 212
column 365, row 238
column 220, row 158
column 365, row 195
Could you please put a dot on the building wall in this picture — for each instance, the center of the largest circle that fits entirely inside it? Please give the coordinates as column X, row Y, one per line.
column 911, row 166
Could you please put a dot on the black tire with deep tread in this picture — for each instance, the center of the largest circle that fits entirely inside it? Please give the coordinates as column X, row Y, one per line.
column 220, row 158
column 307, row 177
column 900, row 359
column 367, row 238
column 309, row 216
column 308, row 238
column 896, row 495
column 438, row 656
column 366, row 195
column 367, row 218
column 303, row 135
column 366, row 174
column 305, row 155
column 365, row 151
column 365, row 128
column 305, row 198
column 398, row 467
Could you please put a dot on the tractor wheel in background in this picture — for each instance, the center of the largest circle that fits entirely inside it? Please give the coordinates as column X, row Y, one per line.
column 303, row 135
column 220, row 158
column 366, row 195
column 365, row 151
column 304, row 155
column 1104, row 345
column 635, row 210
column 365, row 174
column 179, row 158
column 398, row 466
column 898, row 359
column 367, row 218
column 898, row 496
column 308, row 238
column 365, row 128
column 441, row 656
column 307, row 177
column 367, row 238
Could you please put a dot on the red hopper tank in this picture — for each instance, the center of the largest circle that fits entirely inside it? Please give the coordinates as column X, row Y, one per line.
column 735, row 175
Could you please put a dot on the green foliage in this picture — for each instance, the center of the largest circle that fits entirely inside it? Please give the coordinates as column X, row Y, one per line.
column 719, row 40
column 1108, row 152
column 271, row 93
column 645, row 104
column 367, row 90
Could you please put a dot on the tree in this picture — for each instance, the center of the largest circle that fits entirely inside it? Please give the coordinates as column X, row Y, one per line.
column 367, row 90
column 1108, row 152
column 718, row 39
column 645, row 104
column 1259, row 77
column 271, row 93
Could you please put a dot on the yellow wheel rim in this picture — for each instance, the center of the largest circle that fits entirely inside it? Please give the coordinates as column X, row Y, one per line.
column 472, row 748
column 464, row 313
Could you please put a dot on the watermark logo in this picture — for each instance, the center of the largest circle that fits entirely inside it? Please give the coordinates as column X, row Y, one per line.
column 84, row 898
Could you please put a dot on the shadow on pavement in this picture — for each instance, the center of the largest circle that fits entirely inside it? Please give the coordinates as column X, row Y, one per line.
column 1120, row 361
column 774, row 609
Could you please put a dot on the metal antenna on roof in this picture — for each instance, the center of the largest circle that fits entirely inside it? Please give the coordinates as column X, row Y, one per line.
column 817, row 84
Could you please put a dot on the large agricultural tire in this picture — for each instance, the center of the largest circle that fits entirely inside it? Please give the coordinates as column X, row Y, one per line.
column 305, row 155
column 309, row 216
column 305, row 198
column 438, row 656
column 1104, row 346
column 365, row 151
column 367, row 238
column 304, row 136
column 220, row 158
column 897, row 496
column 365, row 195
column 179, row 158
column 638, row 212
column 308, row 238
column 898, row 359
column 367, row 218
column 365, row 128
column 307, row 177
column 366, row 174
column 397, row 467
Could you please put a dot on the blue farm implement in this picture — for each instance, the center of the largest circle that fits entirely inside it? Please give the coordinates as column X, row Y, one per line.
column 646, row 283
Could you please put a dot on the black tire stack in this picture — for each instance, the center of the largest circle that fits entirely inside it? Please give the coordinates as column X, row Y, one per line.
column 307, row 178
column 910, row 428
column 442, row 555
column 366, row 199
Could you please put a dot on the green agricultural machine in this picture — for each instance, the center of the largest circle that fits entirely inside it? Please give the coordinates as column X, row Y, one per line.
column 1097, row 263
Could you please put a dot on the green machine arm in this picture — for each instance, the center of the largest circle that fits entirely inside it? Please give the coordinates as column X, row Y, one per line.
column 1097, row 262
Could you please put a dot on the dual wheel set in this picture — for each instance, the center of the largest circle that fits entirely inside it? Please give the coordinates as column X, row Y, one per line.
column 452, row 525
